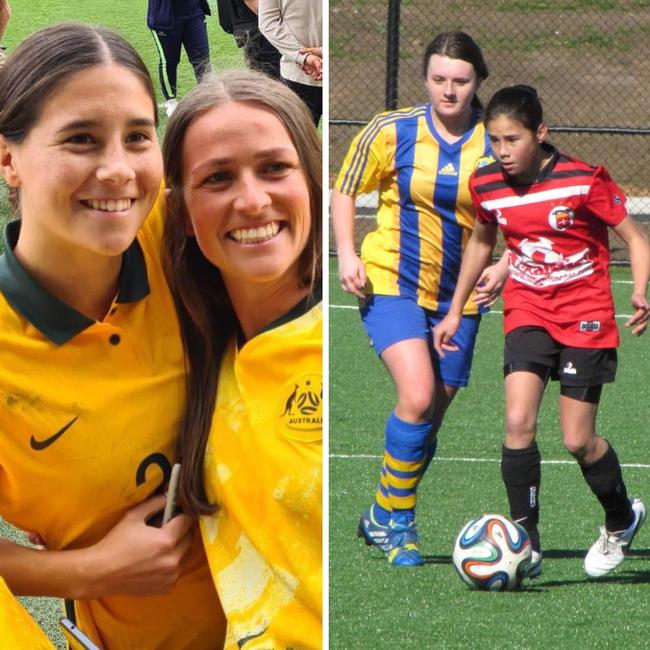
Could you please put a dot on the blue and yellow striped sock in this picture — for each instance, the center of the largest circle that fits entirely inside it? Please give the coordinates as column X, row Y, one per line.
column 381, row 508
column 431, row 452
column 404, row 459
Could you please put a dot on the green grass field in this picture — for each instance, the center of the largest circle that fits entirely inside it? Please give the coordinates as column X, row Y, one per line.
column 129, row 19
column 373, row 605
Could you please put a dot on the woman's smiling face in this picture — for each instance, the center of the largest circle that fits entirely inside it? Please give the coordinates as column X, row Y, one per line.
column 246, row 194
column 90, row 168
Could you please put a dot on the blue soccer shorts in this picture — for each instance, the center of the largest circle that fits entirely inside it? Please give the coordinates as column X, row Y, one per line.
column 391, row 319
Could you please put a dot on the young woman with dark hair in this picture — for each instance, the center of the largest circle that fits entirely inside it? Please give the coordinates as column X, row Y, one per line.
column 554, row 212
column 91, row 378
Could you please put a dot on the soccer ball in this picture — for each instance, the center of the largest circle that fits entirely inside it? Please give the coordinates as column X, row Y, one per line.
column 491, row 553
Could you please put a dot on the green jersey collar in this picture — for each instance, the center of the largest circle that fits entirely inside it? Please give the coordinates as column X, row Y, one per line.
column 52, row 317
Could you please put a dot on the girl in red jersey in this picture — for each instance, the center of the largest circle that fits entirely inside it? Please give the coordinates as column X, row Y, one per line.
column 554, row 212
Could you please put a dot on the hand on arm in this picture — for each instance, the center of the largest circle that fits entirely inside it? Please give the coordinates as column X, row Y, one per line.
column 316, row 51
column 313, row 63
column 637, row 244
column 476, row 256
column 279, row 33
column 313, row 66
column 132, row 559
column 490, row 284
column 352, row 273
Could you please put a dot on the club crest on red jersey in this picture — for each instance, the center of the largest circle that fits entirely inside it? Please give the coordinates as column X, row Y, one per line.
column 561, row 217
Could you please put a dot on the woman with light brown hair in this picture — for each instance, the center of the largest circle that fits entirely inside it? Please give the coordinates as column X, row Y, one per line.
column 243, row 257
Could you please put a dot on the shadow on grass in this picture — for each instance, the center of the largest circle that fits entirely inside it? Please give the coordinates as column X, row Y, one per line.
column 624, row 576
column 437, row 559
column 563, row 554
column 620, row 578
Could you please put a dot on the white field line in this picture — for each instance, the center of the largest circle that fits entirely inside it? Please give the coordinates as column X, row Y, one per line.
column 492, row 311
column 452, row 459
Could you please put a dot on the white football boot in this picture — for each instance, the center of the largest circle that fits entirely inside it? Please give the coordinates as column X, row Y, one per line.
column 609, row 549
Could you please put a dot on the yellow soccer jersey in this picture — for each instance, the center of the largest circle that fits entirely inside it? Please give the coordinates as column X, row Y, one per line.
column 263, row 470
column 425, row 214
column 17, row 628
column 88, row 423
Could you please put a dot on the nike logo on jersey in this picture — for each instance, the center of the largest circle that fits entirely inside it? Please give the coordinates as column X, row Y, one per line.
column 39, row 445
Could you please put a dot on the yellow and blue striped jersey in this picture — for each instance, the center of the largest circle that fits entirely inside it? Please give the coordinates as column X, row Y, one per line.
column 425, row 214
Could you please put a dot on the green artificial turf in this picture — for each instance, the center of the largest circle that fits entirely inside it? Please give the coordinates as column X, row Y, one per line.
column 374, row 605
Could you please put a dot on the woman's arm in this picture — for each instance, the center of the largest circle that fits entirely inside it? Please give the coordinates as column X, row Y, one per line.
column 490, row 284
column 132, row 559
column 280, row 34
column 637, row 244
column 352, row 273
column 475, row 258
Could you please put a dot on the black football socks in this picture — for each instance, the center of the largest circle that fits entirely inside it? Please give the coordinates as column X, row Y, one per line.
column 520, row 471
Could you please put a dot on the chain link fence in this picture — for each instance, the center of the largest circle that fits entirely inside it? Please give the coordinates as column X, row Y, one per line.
column 588, row 59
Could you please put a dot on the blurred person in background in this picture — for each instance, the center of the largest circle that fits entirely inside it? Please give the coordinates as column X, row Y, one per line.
column 177, row 24
column 295, row 28
column 239, row 18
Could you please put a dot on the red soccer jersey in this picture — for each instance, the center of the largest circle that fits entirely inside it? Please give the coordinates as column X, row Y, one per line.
column 556, row 232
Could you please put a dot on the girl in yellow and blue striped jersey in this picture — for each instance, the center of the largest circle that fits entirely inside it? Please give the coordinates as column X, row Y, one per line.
column 420, row 160
column 243, row 167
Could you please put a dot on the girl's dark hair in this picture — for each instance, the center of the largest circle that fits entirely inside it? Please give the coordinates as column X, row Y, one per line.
column 46, row 59
column 457, row 45
column 207, row 319
column 519, row 103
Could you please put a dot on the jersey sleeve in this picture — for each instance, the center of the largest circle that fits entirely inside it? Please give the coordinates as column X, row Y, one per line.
column 605, row 198
column 482, row 215
column 365, row 163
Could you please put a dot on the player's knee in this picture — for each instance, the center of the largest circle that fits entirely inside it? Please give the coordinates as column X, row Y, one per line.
column 520, row 424
column 416, row 404
column 580, row 447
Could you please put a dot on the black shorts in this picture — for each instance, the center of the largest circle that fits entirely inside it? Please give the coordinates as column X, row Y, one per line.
column 533, row 349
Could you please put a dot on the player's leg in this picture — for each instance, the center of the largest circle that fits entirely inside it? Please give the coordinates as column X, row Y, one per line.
column 398, row 331
column 451, row 373
column 529, row 358
column 195, row 42
column 408, row 431
column 520, row 457
column 168, row 46
column 598, row 461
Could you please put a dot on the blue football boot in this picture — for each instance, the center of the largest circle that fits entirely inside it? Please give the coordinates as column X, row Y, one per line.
column 372, row 532
column 403, row 542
